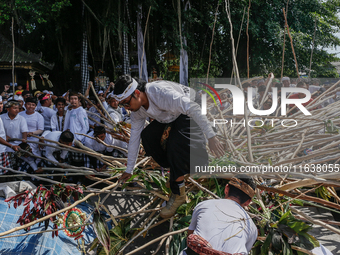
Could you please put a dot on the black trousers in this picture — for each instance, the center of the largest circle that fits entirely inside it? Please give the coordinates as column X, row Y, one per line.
column 185, row 147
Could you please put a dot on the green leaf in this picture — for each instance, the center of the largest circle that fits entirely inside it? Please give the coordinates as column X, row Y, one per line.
column 147, row 185
column 298, row 202
column 287, row 250
column 218, row 188
column 266, row 244
column 102, row 231
column 311, row 239
column 298, row 226
column 288, row 213
column 94, row 244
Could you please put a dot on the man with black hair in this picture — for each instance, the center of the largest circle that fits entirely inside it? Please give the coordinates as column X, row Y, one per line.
column 58, row 119
column 222, row 224
column 15, row 125
column 114, row 110
column 4, row 158
column 46, row 111
column 99, row 134
column 174, row 138
column 30, row 162
column 65, row 137
column 35, row 124
column 76, row 120
column 26, row 94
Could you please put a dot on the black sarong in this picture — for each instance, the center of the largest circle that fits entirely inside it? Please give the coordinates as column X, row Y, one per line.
column 184, row 148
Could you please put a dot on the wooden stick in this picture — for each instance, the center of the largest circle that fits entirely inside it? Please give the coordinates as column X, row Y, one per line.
column 248, row 39
column 211, row 43
column 291, row 43
column 202, row 188
column 304, row 197
column 311, row 54
column 157, row 239
column 146, row 26
column 314, row 221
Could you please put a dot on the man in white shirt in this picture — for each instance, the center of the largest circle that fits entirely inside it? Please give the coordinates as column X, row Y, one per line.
column 222, row 224
column 4, row 158
column 77, row 122
column 65, row 137
column 114, row 111
column 14, row 124
column 46, row 111
column 174, row 138
column 100, row 133
column 58, row 119
column 35, row 125
column 15, row 127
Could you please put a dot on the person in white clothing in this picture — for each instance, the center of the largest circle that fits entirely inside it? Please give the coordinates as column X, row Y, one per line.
column 65, row 137
column 114, row 111
column 15, row 125
column 58, row 119
column 4, row 158
column 46, row 111
column 100, row 133
column 76, row 120
column 174, row 138
column 222, row 224
column 95, row 117
column 35, row 125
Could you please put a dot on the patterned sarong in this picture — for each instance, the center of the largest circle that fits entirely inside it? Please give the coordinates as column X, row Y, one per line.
column 202, row 247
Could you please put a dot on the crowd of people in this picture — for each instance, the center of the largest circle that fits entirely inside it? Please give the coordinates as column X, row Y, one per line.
column 29, row 118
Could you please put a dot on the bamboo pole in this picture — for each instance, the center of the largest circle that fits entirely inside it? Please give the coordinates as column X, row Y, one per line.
column 291, row 43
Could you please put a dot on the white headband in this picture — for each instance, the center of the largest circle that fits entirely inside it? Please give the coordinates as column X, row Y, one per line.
column 128, row 91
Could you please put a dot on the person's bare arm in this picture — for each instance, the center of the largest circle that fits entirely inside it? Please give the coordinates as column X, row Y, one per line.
column 190, row 232
column 13, row 147
column 87, row 92
column 107, row 91
column 24, row 137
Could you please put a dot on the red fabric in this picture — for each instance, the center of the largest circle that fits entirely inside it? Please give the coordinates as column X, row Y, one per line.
column 4, row 162
column 201, row 246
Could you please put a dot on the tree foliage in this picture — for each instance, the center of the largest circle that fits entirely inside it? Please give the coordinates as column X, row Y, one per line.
column 55, row 28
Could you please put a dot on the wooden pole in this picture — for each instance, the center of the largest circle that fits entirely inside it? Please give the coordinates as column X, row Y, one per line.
column 146, row 26
column 248, row 40
column 291, row 42
column 311, row 54
column 13, row 54
column 284, row 45
column 211, row 43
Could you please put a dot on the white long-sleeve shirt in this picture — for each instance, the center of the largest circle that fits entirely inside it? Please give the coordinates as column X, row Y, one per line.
column 54, row 136
column 109, row 140
column 167, row 101
column 77, row 122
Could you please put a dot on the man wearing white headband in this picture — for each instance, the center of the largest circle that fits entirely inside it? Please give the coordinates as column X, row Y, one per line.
column 174, row 138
